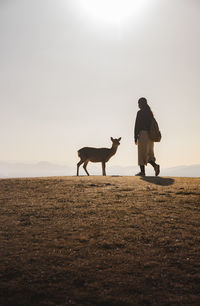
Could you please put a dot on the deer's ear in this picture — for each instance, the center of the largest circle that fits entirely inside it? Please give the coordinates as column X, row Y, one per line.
column 119, row 138
column 111, row 138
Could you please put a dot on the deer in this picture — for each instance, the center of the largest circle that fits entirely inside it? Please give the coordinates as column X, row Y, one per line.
column 97, row 155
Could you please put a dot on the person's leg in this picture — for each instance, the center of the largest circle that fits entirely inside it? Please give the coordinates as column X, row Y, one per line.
column 152, row 158
column 142, row 152
column 142, row 171
column 156, row 167
column 151, row 162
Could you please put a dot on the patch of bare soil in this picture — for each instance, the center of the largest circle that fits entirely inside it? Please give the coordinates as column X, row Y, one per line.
column 100, row 241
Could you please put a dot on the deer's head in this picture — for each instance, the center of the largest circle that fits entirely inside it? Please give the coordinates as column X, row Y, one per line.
column 116, row 141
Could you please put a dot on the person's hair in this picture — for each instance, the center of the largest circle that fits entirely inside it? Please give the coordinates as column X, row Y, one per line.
column 144, row 105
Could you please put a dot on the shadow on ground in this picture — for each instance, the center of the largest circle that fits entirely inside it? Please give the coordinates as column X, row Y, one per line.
column 163, row 181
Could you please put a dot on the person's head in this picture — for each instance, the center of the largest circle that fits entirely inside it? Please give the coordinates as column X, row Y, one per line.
column 142, row 103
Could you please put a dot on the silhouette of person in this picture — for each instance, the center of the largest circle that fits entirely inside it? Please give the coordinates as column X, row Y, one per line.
column 142, row 140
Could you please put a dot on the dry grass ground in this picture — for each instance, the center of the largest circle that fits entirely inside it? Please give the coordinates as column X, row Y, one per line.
column 100, row 241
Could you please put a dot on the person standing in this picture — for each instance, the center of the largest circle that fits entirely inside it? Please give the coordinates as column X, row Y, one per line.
column 142, row 140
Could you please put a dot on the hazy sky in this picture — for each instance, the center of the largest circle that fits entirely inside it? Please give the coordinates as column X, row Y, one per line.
column 71, row 72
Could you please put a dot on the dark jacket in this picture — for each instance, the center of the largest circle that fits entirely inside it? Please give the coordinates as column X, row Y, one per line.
column 142, row 122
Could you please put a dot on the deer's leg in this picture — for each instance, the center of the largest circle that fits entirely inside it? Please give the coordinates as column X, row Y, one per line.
column 103, row 168
column 78, row 165
column 84, row 167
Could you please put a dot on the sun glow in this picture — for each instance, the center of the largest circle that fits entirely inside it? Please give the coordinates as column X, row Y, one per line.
column 112, row 12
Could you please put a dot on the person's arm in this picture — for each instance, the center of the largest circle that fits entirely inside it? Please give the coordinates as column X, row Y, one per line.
column 137, row 127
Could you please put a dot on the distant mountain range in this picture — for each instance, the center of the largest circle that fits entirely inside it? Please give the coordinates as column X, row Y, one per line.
column 11, row 170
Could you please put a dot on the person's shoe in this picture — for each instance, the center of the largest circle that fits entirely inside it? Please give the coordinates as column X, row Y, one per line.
column 140, row 174
column 157, row 170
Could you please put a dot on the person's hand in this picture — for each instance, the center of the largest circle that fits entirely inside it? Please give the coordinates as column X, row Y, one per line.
column 136, row 142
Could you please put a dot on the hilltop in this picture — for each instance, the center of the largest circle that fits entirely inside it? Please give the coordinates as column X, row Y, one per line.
column 100, row 241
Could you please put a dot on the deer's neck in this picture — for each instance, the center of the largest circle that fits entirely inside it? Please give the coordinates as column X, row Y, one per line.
column 113, row 150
